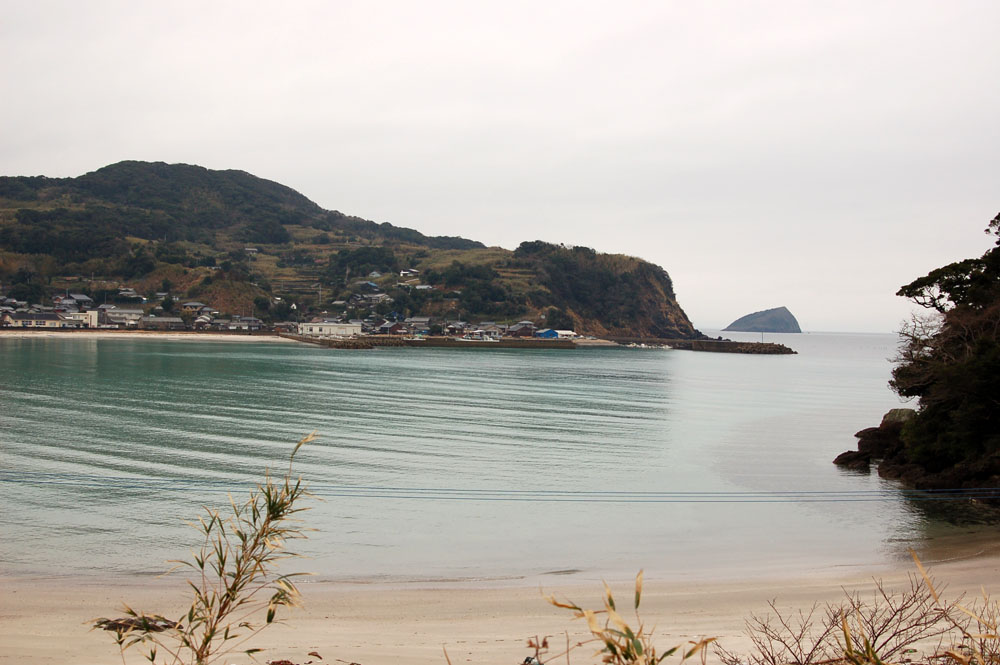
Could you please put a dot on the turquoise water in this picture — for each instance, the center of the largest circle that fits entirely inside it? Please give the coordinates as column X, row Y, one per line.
column 438, row 464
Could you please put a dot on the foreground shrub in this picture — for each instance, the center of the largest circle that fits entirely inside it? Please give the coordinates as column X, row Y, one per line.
column 236, row 591
column 889, row 627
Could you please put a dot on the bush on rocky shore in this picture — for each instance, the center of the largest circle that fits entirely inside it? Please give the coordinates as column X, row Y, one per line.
column 950, row 362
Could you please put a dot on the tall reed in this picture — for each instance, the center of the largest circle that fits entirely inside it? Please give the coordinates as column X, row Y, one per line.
column 235, row 590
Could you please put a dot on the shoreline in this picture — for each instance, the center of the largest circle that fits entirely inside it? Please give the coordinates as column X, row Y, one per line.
column 367, row 342
column 15, row 333
column 46, row 619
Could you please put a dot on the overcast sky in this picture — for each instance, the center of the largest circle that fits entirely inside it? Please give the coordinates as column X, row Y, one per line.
column 812, row 155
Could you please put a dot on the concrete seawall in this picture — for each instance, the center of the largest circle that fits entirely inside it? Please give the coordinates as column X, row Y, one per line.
column 712, row 345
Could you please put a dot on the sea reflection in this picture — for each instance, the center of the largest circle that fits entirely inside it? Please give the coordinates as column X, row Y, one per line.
column 454, row 464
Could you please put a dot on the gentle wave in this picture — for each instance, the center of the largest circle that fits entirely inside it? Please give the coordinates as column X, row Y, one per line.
column 450, row 463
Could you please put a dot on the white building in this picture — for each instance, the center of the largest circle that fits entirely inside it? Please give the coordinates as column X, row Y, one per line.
column 86, row 319
column 329, row 329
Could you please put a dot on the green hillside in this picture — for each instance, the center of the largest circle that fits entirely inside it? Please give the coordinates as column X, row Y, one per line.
column 246, row 244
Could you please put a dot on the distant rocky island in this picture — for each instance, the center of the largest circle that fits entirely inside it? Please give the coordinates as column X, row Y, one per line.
column 777, row 320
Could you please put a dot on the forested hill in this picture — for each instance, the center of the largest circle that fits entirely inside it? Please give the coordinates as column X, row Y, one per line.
column 180, row 202
column 243, row 243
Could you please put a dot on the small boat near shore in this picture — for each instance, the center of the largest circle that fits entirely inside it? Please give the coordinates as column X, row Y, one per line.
column 477, row 336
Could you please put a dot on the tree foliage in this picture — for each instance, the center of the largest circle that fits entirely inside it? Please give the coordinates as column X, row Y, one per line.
column 950, row 361
column 613, row 289
column 359, row 262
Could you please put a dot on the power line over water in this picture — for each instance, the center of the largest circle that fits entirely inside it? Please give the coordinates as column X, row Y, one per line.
column 121, row 483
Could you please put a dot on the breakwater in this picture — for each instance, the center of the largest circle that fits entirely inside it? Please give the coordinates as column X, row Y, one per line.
column 711, row 345
column 726, row 346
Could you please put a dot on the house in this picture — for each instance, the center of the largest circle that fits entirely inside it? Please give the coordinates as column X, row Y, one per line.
column 547, row 333
column 204, row 322
column 247, row 323
column 374, row 274
column 193, row 307
column 418, row 323
column 82, row 300
column 251, row 251
column 370, row 298
column 409, row 272
column 391, row 328
column 492, row 329
column 566, row 334
column 424, row 287
column 162, row 323
column 122, row 317
column 126, row 293
column 522, row 329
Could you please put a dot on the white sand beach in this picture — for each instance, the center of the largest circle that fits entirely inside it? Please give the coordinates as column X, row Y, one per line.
column 15, row 333
column 46, row 621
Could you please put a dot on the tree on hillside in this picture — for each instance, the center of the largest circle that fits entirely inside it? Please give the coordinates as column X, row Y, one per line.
column 557, row 319
column 950, row 361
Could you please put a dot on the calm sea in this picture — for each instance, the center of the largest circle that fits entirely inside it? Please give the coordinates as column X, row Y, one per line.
column 452, row 464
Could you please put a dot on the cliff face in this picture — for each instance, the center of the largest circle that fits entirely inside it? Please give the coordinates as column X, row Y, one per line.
column 777, row 320
column 605, row 294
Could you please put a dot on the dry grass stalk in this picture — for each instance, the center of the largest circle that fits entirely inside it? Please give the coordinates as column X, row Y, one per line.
column 620, row 643
column 977, row 625
column 236, row 591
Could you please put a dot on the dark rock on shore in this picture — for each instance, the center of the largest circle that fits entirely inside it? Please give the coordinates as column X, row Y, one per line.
column 877, row 443
column 855, row 460
column 884, row 445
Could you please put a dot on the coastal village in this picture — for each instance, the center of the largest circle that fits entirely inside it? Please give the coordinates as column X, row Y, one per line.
column 363, row 320
column 131, row 310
